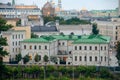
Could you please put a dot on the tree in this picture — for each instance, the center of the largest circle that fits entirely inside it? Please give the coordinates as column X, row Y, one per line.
column 18, row 57
column 94, row 29
column 37, row 58
column 118, row 51
column 54, row 59
column 26, row 59
column 3, row 41
column 34, row 35
column 45, row 58
column 18, row 23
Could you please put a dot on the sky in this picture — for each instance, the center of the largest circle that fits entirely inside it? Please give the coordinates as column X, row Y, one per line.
column 73, row 4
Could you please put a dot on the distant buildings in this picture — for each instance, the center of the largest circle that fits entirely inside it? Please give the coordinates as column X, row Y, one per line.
column 48, row 9
column 110, row 28
column 15, row 11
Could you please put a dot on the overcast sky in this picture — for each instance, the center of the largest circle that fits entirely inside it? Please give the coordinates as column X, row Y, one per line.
column 73, row 4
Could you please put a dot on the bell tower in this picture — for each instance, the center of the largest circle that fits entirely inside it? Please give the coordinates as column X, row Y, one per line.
column 13, row 2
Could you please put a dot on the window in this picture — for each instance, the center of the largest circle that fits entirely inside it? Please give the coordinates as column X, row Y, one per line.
column 13, row 36
column 85, row 48
column 16, row 43
column 95, row 47
column 101, row 58
column 85, row 58
column 90, row 58
column 13, row 49
column 39, row 47
column 105, row 58
column 16, row 36
column 80, row 48
column 90, row 47
column 16, row 49
column 19, row 36
column 13, row 43
column 30, row 47
column 80, row 58
column 24, row 46
column 22, row 36
column 105, row 48
column 59, row 43
column 75, row 47
column 45, row 47
column 101, row 48
column 75, row 58
column 95, row 58
column 35, row 47
column 63, row 43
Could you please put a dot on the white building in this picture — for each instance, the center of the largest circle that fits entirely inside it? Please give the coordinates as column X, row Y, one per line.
column 76, row 29
column 15, row 11
column 109, row 28
column 71, row 49
column 13, row 40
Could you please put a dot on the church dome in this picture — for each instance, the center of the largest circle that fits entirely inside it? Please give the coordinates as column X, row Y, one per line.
column 48, row 5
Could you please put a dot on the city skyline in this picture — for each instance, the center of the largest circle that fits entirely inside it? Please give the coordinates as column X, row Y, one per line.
column 78, row 5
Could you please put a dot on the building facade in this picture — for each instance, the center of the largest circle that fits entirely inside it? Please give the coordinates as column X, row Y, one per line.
column 71, row 49
column 48, row 9
column 13, row 40
column 15, row 11
column 109, row 28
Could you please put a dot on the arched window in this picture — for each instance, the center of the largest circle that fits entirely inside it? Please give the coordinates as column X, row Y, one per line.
column 30, row 47
column 95, row 58
column 85, row 58
column 90, row 58
column 24, row 46
column 35, row 47
column 80, row 58
column 75, row 47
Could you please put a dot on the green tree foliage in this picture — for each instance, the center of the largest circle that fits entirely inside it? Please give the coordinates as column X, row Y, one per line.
column 53, row 59
column 3, row 25
column 94, row 29
column 37, row 58
column 18, row 57
column 18, row 23
column 3, row 41
column 26, row 59
column 72, row 21
column 45, row 58
column 118, row 51
column 34, row 35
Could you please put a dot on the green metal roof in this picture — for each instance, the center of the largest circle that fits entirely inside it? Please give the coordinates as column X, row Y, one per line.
column 77, row 39
column 93, row 39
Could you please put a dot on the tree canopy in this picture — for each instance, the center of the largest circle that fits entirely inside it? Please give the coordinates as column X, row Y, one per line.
column 3, row 41
column 72, row 21
column 45, row 58
column 18, row 57
column 94, row 29
column 34, row 35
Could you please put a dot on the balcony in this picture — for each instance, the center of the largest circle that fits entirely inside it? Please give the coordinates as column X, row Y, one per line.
column 62, row 52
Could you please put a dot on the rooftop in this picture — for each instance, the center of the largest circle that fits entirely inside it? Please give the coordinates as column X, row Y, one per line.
column 77, row 39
